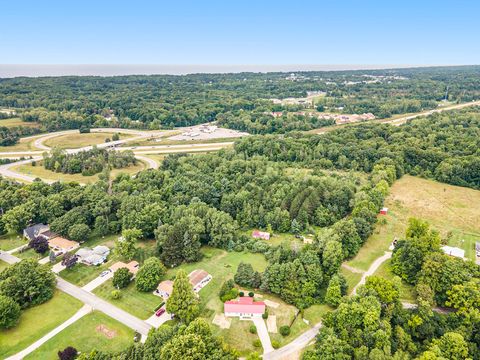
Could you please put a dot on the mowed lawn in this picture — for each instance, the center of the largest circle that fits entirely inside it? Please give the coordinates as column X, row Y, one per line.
column 37, row 321
column 11, row 241
column 137, row 303
column 93, row 331
column 450, row 209
column 40, row 172
column 75, row 141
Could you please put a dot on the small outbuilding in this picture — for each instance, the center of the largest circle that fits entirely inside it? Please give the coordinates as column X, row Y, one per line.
column 453, row 251
column 384, row 211
column 256, row 234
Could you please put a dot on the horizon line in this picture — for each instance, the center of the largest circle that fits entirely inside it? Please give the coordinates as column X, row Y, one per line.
column 106, row 70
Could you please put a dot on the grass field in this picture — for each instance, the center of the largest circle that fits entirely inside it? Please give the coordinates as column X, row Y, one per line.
column 3, row 265
column 24, row 144
column 11, row 241
column 352, row 278
column 75, row 141
column 36, row 322
column 12, row 122
column 449, row 209
column 85, row 335
column 135, row 302
column 41, row 172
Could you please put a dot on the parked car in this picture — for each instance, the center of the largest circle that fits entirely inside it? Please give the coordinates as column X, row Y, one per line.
column 160, row 312
column 104, row 273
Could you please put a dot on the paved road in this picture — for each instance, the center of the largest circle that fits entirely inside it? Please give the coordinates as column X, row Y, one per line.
column 93, row 301
column 79, row 314
column 371, row 270
column 99, row 280
column 293, row 349
column 404, row 119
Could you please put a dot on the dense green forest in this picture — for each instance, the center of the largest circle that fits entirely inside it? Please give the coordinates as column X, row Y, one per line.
column 444, row 146
column 87, row 162
column 281, row 183
column 238, row 100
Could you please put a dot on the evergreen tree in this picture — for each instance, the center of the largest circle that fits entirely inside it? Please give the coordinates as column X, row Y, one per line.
column 183, row 301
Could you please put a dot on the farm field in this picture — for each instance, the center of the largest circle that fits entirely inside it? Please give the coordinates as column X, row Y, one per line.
column 41, row 172
column 75, row 141
column 452, row 210
column 93, row 331
column 36, row 322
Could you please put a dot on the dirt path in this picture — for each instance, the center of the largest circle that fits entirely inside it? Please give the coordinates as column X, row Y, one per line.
column 372, row 269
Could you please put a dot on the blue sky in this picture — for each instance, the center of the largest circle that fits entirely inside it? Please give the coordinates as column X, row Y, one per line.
column 239, row 32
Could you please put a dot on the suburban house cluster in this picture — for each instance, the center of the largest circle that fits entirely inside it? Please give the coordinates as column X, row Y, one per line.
column 60, row 245
column 198, row 279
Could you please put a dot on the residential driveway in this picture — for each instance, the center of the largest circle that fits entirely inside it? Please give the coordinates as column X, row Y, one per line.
column 291, row 350
column 263, row 335
column 58, row 267
column 157, row 321
column 98, row 281
column 80, row 313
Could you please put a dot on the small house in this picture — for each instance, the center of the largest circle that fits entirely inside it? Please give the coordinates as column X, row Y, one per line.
column 164, row 289
column 384, row 211
column 59, row 245
column 256, row 234
column 244, row 308
column 132, row 266
column 38, row 230
column 453, row 251
column 198, row 279
column 96, row 256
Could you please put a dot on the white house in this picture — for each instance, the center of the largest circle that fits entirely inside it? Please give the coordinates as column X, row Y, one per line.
column 244, row 308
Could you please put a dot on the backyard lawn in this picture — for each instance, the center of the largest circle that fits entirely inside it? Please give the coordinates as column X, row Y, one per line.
column 452, row 210
column 93, row 331
column 36, row 322
column 135, row 302
column 11, row 241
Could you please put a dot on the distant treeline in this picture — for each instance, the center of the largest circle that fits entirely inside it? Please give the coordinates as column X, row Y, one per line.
column 444, row 146
column 165, row 101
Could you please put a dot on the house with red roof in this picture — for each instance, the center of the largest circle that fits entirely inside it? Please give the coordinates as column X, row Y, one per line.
column 245, row 308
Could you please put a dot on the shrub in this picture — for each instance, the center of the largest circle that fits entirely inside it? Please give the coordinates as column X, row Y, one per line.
column 257, row 343
column 69, row 353
column 252, row 329
column 251, row 294
column 285, row 330
column 230, row 295
column 241, row 294
column 39, row 244
column 265, row 315
column 275, row 344
column 9, row 312
column 121, row 278
column 116, row 294
column 225, row 289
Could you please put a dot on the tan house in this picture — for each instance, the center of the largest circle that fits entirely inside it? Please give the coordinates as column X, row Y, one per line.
column 60, row 245
column 199, row 278
column 164, row 289
column 132, row 266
